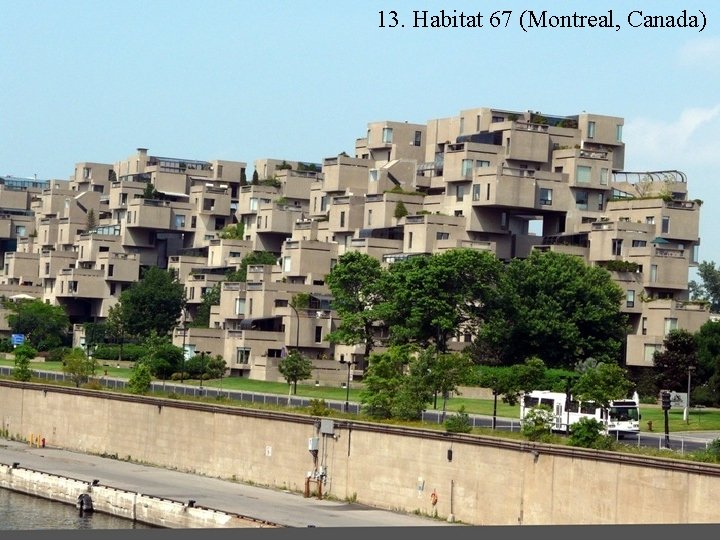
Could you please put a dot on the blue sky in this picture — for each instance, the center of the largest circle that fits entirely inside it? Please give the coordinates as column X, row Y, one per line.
column 241, row 80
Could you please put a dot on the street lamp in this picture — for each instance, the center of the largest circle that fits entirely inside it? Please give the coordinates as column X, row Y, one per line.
column 202, row 370
column 686, row 413
column 347, row 384
column 297, row 326
column 184, row 331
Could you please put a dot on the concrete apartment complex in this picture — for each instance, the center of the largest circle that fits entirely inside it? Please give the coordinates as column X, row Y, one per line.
column 502, row 181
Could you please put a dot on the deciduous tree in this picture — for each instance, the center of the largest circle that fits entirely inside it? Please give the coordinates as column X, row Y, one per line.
column 45, row 326
column 295, row 367
column 153, row 303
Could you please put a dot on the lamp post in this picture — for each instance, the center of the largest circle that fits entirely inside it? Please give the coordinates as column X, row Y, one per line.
column 686, row 413
column 184, row 331
column 202, row 370
column 347, row 384
column 297, row 325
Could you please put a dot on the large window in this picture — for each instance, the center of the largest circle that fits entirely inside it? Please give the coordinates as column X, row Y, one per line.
column 242, row 355
column 617, row 246
column 239, row 306
column 604, row 176
column 584, row 174
column 179, row 221
column 581, row 200
column 387, row 135
column 546, row 196
column 665, row 224
column 418, row 138
column 671, row 324
column 649, row 353
column 630, row 299
column 591, row 130
column 460, row 192
column 618, row 132
column 467, row 166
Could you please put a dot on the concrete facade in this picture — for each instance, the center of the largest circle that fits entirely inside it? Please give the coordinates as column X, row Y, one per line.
column 477, row 480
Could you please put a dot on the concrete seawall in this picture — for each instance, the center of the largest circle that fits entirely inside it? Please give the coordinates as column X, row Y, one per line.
column 139, row 507
column 475, row 480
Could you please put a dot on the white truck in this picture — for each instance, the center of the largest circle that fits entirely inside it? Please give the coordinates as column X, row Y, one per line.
column 621, row 418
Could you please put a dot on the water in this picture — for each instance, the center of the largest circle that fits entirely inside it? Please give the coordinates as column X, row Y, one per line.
column 24, row 512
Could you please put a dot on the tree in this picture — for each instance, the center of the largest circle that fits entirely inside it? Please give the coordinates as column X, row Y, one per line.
column 234, row 231
column 116, row 325
column 256, row 257
column 23, row 355
column 91, row 220
column 243, row 177
column 78, row 366
column 150, row 192
column 153, row 303
column 556, row 307
column 295, row 367
column 509, row 382
column 459, row 422
column 383, row 380
column 356, row 284
column 140, row 379
column 678, row 355
column 161, row 356
column 605, row 383
column 708, row 354
column 216, row 367
column 255, row 178
column 209, row 299
column 400, row 210
column 445, row 372
column 433, row 298
column 709, row 287
column 45, row 326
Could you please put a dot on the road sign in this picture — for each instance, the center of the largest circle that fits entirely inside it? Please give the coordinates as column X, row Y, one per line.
column 17, row 339
column 678, row 400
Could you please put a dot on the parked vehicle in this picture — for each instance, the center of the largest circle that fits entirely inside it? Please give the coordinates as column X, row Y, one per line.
column 622, row 417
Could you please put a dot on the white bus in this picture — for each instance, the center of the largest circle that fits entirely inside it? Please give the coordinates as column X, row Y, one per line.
column 622, row 417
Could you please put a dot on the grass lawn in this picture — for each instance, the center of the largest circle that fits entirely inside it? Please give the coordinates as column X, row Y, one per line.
column 700, row 419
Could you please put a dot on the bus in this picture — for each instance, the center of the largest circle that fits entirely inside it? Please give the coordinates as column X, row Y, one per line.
column 621, row 418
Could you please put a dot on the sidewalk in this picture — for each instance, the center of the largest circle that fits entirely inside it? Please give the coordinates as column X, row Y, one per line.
column 282, row 507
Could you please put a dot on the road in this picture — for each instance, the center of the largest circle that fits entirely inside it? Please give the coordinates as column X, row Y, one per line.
column 275, row 506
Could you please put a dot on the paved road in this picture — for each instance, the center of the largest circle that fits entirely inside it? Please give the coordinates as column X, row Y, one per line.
column 288, row 509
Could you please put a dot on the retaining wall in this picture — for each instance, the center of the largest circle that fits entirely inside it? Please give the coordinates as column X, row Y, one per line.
column 476, row 480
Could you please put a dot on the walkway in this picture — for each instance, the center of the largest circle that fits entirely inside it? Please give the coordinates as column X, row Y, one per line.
column 282, row 507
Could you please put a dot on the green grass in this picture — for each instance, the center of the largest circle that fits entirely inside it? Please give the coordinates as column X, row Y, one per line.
column 700, row 419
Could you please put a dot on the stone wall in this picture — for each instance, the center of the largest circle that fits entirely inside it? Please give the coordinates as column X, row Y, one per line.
column 477, row 480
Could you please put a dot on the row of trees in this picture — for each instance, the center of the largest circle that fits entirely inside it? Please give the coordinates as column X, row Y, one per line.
column 550, row 305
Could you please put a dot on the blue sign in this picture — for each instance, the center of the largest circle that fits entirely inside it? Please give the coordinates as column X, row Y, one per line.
column 17, row 339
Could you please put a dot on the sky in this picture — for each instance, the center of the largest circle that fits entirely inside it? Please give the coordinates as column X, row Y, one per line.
column 300, row 80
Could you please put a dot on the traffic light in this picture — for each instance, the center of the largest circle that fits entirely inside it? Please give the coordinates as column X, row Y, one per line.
column 665, row 401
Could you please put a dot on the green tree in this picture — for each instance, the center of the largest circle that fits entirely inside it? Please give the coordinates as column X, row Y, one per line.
column 382, row 381
column 140, row 379
column 78, row 366
column 590, row 433
column 356, row 285
column 537, row 424
column 459, row 422
column 295, row 367
column 23, row 355
column 509, row 382
column 605, row 383
column 45, row 326
column 556, row 307
column 678, row 355
column 209, row 299
column 255, row 178
column 709, row 286
column 708, row 355
column 161, row 356
column 116, row 325
column 256, row 257
column 400, row 210
column 91, row 220
column 445, row 372
column 243, row 177
column 434, row 298
column 150, row 192
column 234, row 231
column 153, row 303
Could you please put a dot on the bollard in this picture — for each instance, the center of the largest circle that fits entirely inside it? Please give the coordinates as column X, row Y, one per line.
column 42, row 442
column 649, row 424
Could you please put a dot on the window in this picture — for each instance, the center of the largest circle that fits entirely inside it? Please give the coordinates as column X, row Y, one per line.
column 111, row 270
column 617, row 246
column 373, row 174
column 694, row 257
column 417, row 141
column 601, row 201
column 653, row 273
column 630, row 299
column 342, row 219
column 462, row 124
column 259, row 222
column 665, row 224
column 369, row 217
column 323, row 203
column 123, row 199
column 504, row 221
column 20, row 230
column 639, row 243
column 487, row 193
column 242, row 355
column 649, row 353
column 584, row 174
column 239, row 306
column 179, row 221
column 650, row 220
column 643, row 326
column 193, row 222
column 546, row 196
column 591, row 130
column 670, row 324
column 387, row 135
column 581, row 200
column 47, row 269
column 460, row 193
column 253, row 203
column 604, row 176
column 618, row 133
column 318, row 334
column 287, row 264
column 410, row 240
column 498, row 119
column 87, row 173
column 482, row 163
column 476, row 192
column 467, row 165
column 442, row 236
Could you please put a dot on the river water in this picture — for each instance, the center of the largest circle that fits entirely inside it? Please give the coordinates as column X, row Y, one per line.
column 20, row 512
